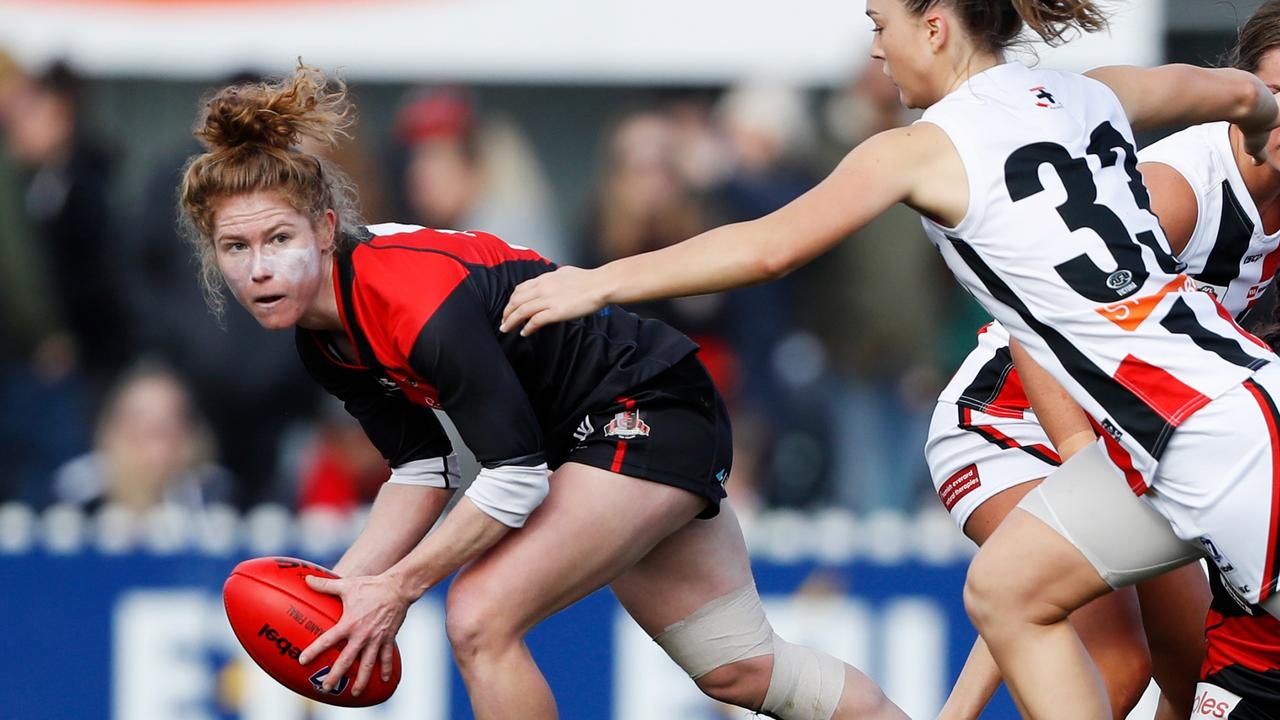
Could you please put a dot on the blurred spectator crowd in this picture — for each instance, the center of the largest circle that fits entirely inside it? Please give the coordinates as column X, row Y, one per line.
column 117, row 387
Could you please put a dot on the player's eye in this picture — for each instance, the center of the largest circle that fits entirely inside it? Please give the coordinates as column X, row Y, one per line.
column 877, row 29
column 234, row 246
column 280, row 239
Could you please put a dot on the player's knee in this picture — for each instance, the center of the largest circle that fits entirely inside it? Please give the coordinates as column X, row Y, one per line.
column 982, row 592
column 743, row 683
column 996, row 592
column 730, row 650
column 474, row 623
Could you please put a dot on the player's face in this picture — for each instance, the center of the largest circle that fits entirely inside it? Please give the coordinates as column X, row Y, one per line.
column 902, row 41
column 273, row 259
column 1269, row 72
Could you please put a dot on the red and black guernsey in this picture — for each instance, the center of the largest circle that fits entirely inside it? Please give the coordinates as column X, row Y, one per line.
column 421, row 308
column 1240, row 652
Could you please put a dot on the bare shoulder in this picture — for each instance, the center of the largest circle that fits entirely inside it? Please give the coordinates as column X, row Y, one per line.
column 939, row 185
column 1173, row 200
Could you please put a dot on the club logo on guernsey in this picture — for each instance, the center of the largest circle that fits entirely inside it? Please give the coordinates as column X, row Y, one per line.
column 1045, row 99
column 627, row 424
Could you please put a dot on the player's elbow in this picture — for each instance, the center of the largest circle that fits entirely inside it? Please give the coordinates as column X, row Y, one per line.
column 1250, row 100
column 771, row 266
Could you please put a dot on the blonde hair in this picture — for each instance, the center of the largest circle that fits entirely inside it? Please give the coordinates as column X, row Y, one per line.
column 251, row 133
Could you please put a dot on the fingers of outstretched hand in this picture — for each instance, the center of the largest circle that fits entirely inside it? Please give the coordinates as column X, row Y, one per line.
column 518, row 311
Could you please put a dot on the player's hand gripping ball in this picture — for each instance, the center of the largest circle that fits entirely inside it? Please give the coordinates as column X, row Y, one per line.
column 275, row 615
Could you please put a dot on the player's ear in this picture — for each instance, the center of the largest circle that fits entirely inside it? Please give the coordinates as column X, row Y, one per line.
column 329, row 231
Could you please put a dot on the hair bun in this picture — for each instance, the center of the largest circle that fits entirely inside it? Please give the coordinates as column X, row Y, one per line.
column 275, row 114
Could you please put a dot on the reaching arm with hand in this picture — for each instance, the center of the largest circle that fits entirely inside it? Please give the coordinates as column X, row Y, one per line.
column 873, row 177
column 1189, row 95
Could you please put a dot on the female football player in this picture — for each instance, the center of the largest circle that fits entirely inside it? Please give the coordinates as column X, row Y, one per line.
column 1221, row 215
column 398, row 320
column 1028, row 184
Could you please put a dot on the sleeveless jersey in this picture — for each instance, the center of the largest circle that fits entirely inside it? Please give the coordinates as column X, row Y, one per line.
column 1060, row 246
column 1229, row 255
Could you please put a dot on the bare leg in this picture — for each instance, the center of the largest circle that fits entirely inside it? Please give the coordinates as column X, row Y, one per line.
column 593, row 525
column 1174, row 607
column 1109, row 627
column 1021, row 587
column 705, row 560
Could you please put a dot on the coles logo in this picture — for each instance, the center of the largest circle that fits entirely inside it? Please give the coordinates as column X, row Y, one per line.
column 1212, row 702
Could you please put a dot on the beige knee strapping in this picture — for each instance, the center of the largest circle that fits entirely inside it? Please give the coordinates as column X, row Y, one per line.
column 728, row 629
column 805, row 684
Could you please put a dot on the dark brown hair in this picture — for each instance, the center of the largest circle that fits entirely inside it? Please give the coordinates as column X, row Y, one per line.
column 996, row 24
column 1259, row 35
column 251, row 132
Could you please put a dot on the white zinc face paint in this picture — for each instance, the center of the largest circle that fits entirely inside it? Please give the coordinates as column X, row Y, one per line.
column 270, row 256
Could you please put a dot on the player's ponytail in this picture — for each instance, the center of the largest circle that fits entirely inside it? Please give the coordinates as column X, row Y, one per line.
column 252, row 132
column 1055, row 20
column 996, row 25
column 1259, row 36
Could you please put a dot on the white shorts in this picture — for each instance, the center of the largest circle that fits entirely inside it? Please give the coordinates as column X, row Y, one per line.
column 974, row 456
column 1218, row 483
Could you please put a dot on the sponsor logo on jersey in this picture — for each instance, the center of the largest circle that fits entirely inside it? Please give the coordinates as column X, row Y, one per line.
column 1218, row 558
column 317, row 681
column 959, row 485
column 584, row 429
column 1044, row 98
column 627, row 424
column 1212, row 702
column 1252, row 258
column 1115, row 432
column 722, row 475
column 1210, row 290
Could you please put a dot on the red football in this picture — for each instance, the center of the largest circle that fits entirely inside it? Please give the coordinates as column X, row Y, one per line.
column 275, row 616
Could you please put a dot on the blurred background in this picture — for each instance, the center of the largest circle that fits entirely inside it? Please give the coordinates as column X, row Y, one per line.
column 144, row 449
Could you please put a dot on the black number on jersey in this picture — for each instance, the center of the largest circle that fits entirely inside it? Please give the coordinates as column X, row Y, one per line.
column 1081, row 210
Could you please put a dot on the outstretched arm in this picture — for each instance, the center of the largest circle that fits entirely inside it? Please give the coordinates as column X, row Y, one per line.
column 877, row 174
column 1189, row 95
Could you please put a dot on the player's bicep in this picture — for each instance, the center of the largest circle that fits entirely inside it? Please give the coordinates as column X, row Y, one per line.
column 1173, row 201
column 872, row 178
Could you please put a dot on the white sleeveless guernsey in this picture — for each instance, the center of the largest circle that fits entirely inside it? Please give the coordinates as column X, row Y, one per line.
column 1060, row 246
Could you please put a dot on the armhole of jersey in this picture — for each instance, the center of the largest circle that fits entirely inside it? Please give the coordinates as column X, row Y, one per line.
column 1195, row 240
column 972, row 170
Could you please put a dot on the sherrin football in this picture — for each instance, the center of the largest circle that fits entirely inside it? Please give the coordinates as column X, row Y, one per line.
column 275, row 616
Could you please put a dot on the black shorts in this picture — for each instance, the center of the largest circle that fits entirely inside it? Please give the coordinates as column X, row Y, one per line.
column 1259, row 692
column 672, row 429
